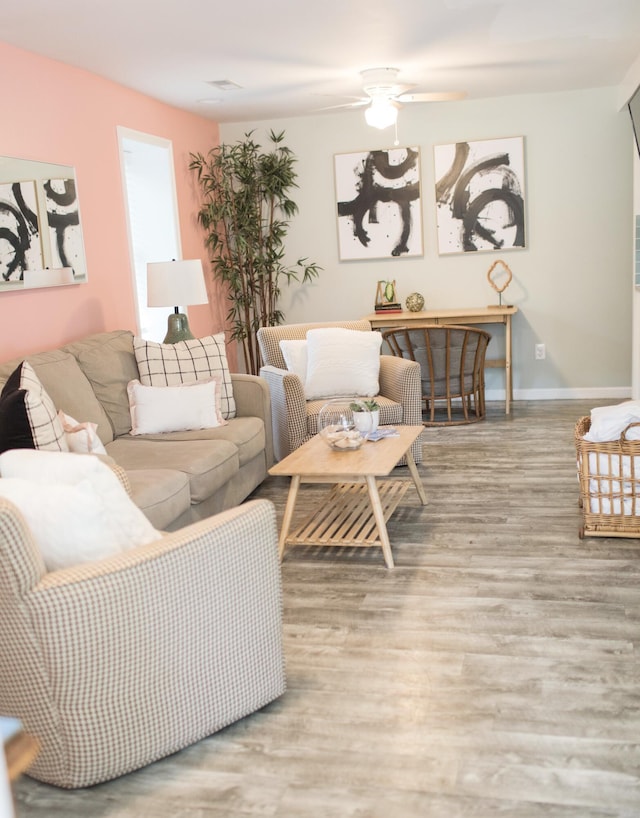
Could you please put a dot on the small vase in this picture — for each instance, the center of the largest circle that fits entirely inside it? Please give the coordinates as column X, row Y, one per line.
column 366, row 422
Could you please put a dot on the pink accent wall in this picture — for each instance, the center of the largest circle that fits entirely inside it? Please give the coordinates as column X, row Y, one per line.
column 64, row 115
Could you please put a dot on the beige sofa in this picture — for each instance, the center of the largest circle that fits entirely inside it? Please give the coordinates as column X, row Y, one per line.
column 176, row 478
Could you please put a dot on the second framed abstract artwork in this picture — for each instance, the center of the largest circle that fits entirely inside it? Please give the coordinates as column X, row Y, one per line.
column 378, row 204
column 480, row 199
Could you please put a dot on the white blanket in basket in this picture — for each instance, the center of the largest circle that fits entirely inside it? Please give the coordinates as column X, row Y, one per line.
column 621, row 496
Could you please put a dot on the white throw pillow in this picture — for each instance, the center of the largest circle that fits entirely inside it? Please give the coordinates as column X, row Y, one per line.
column 77, row 509
column 608, row 422
column 158, row 409
column 342, row 362
column 294, row 353
column 186, row 362
column 82, row 438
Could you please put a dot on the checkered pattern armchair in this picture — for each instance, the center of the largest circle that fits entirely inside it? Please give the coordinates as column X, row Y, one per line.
column 295, row 419
column 117, row 663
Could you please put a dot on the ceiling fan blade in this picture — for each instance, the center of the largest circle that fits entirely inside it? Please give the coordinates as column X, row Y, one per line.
column 434, row 96
column 357, row 104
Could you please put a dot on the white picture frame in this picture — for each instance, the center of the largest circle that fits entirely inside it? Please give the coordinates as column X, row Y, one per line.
column 480, row 195
column 378, row 204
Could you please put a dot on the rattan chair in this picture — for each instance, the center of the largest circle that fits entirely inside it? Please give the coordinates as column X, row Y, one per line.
column 452, row 362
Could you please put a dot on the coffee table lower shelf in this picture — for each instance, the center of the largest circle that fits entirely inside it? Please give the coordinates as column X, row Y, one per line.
column 346, row 518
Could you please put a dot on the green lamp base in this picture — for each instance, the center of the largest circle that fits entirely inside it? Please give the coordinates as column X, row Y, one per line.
column 177, row 329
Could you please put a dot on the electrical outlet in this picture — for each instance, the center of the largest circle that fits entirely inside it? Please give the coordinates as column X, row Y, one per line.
column 541, row 352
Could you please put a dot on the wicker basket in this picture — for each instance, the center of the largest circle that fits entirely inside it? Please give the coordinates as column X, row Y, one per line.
column 609, row 475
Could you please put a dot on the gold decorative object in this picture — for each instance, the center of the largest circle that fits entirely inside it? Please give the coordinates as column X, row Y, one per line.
column 499, row 280
column 414, row 302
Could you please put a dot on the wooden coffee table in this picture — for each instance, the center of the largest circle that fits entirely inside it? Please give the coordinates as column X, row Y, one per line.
column 356, row 511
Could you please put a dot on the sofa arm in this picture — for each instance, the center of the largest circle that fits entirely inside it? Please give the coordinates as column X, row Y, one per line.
column 253, row 399
column 289, row 410
column 400, row 381
column 163, row 645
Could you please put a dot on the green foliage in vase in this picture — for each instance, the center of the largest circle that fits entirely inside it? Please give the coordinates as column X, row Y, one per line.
column 371, row 405
column 245, row 213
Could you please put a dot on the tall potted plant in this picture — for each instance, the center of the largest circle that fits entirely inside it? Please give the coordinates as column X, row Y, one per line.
column 245, row 213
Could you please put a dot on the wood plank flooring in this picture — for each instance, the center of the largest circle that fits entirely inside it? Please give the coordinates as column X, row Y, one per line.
column 493, row 672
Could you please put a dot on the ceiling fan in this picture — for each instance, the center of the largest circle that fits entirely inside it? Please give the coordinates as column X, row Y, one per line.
column 385, row 96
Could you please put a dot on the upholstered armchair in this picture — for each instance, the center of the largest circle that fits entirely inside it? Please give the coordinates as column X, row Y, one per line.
column 295, row 419
column 116, row 663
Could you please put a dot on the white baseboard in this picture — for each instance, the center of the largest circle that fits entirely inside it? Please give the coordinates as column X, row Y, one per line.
column 582, row 393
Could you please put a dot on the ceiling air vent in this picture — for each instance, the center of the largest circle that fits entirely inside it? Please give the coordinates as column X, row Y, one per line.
column 224, row 85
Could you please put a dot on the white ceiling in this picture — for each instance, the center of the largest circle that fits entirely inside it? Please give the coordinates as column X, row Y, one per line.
column 294, row 57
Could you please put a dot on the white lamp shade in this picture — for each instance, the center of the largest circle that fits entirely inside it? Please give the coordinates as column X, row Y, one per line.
column 175, row 283
column 381, row 113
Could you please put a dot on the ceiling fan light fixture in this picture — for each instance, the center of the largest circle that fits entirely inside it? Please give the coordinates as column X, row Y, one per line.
column 382, row 113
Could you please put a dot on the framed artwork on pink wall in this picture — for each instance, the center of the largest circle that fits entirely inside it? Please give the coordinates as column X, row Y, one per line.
column 63, row 219
column 20, row 244
column 41, row 241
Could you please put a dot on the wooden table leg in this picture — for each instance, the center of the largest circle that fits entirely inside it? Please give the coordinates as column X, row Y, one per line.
column 294, row 485
column 411, row 463
column 378, row 515
column 508, row 387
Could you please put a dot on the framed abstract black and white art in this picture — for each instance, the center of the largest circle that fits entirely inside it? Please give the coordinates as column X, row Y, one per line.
column 20, row 245
column 378, row 204
column 63, row 217
column 480, row 198
column 40, row 231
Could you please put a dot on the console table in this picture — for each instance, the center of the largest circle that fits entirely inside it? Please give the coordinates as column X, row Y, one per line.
column 470, row 315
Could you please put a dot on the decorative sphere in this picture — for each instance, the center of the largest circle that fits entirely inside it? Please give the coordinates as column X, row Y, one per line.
column 337, row 426
column 414, row 302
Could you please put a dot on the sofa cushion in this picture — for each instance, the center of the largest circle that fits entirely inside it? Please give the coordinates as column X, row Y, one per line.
column 208, row 464
column 28, row 417
column 185, row 362
column 161, row 494
column 390, row 413
column 108, row 361
column 246, row 433
column 67, row 386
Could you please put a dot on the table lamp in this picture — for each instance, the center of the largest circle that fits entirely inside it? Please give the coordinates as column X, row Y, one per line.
column 176, row 282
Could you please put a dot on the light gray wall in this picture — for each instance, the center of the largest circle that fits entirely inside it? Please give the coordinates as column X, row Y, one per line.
column 572, row 283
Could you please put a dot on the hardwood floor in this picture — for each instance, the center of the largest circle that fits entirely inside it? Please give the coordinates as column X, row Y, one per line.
column 493, row 672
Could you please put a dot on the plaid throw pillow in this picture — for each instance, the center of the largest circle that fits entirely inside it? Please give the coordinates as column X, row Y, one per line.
column 186, row 362
column 28, row 418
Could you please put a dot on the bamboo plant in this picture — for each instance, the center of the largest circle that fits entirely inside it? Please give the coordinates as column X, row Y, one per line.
column 245, row 213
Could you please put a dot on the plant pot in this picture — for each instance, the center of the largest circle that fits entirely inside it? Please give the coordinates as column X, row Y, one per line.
column 366, row 422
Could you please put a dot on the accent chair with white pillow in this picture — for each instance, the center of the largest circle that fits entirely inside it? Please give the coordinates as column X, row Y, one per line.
column 306, row 365
column 122, row 645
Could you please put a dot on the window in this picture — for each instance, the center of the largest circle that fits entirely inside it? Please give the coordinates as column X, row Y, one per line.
column 152, row 217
